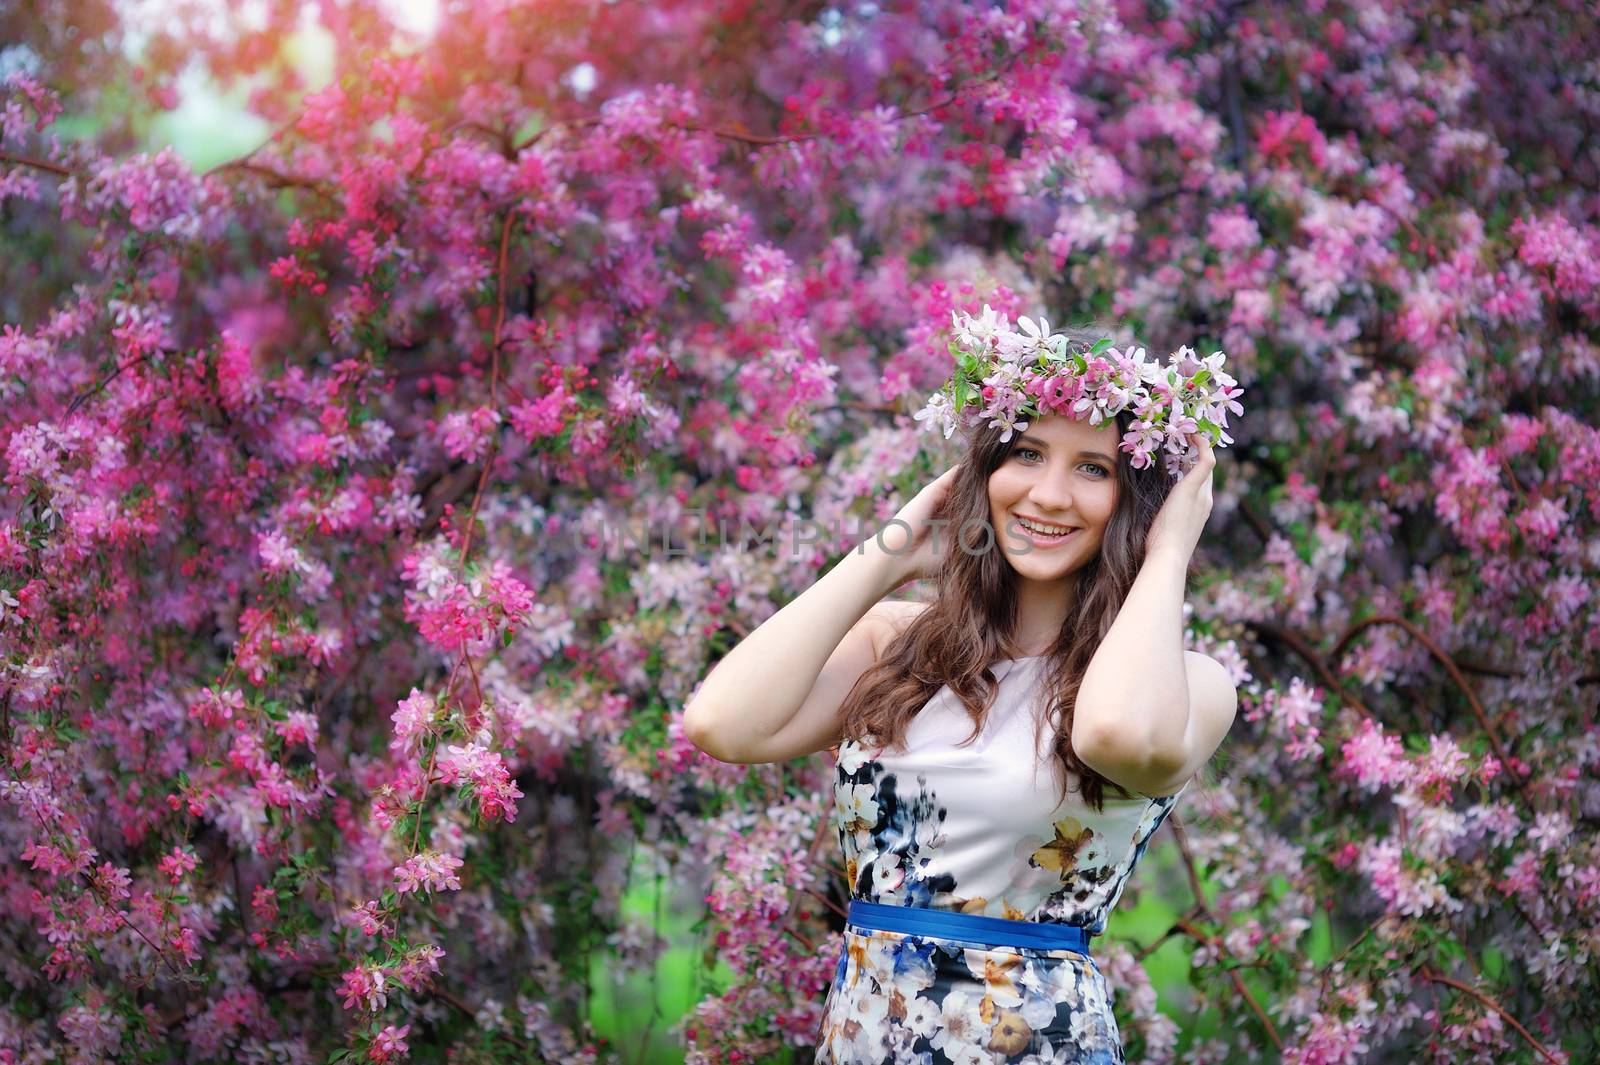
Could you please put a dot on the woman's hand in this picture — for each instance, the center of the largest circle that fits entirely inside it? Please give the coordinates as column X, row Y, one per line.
column 914, row 557
column 1183, row 516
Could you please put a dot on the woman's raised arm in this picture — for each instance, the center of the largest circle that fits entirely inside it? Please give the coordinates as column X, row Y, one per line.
column 776, row 695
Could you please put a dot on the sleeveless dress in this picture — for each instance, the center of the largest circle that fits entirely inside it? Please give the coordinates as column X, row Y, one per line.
column 977, row 829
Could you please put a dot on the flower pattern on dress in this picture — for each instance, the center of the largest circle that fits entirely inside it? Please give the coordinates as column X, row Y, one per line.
column 894, row 839
column 916, row 999
column 912, row 998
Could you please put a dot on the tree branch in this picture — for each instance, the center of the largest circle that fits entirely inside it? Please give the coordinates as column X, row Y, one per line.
column 1455, row 675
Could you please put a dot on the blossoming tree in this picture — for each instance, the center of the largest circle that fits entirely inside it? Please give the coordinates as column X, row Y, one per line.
column 330, row 727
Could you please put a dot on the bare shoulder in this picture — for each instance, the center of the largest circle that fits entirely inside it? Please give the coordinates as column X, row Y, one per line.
column 894, row 616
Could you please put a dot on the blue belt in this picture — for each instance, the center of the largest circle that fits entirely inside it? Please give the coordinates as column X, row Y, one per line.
column 971, row 927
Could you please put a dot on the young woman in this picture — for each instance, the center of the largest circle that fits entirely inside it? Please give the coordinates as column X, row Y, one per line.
column 1005, row 752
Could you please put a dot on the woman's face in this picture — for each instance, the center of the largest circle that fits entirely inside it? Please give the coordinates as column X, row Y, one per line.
column 1059, row 472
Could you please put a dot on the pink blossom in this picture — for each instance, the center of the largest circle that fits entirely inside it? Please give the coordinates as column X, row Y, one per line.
column 486, row 772
column 264, row 904
column 1474, row 501
column 389, row 1044
column 1444, row 764
column 418, row 966
column 413, row 717
column 1522, row 876
column 1551, row 829
column 541, row 417
column 466, row 435
column 185, row 943
column 1328, row 1039
column 368, row 916
column 1372, row 758
column 1232, row 229
column 1294, row 710
column 1303, row 746
column 278, row 555
column 44, row 101
column 95, row 1032
column 51, row 859
column 1570, row 254
column 365, row 985
column 428, row 871
column 112, row 881
column 1405, row 890
column 215, row 708
column 298, row 727
column 177, row 864
column 1541, row 522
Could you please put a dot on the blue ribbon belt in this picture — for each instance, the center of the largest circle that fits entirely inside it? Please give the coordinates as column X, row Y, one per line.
column 972, row 927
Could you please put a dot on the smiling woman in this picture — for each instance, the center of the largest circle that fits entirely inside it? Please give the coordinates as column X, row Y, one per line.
column 1055, row 476
column 976, row 887
column 1035, row 594
column 981, row 849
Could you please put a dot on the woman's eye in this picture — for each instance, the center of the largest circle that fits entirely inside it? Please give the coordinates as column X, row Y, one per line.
column 1100, row 470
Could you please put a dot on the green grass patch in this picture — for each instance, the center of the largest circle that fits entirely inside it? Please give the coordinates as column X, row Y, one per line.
column 635, row 1012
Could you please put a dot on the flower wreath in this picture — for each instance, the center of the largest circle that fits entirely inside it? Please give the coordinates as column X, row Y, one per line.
column 1007, row 377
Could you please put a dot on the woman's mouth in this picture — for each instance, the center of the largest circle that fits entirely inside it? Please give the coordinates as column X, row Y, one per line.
column 1037, row 537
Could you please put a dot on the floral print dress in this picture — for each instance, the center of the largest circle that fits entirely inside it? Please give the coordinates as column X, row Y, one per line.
column 977, row 829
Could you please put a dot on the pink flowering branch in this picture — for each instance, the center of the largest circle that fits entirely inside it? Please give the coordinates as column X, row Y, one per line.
column 88, row 883
column 1455, row 675
column 273, row 178
column 85, row 396
column 38, row 164
column 1302, row 647
column 1427, row 972
column 744, row 136
column 1203, row 911
column 487, row 466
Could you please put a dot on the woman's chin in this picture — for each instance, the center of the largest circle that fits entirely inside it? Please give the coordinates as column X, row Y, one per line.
column 1040, row 569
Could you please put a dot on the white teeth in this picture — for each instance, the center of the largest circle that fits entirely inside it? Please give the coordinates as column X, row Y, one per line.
column 1053, row 530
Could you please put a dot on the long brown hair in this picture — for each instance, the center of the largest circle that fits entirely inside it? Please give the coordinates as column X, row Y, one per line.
column 972, row 619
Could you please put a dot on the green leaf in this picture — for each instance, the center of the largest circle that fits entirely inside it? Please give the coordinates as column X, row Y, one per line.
column 1100, row 345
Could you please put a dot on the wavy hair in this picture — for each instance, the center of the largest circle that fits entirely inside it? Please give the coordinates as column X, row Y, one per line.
column 971, row 621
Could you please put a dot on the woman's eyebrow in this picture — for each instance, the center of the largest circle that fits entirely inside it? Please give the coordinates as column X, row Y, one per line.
column 1042, row 446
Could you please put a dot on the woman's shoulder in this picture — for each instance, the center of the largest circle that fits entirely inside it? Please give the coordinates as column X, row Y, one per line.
column 900, row 613
column 894, row 617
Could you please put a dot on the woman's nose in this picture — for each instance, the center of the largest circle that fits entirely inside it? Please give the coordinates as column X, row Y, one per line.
column 1051, row 494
